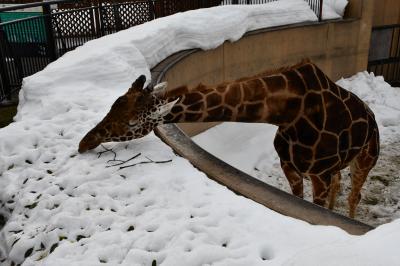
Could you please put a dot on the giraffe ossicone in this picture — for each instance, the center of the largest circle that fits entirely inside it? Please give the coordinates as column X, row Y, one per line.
column 159, row 89
column 323, row 128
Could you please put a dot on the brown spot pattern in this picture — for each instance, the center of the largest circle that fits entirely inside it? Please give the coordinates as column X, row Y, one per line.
column 275, row 83
column 233, row 96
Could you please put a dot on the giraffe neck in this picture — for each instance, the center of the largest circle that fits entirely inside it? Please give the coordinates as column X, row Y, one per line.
column 275, row 99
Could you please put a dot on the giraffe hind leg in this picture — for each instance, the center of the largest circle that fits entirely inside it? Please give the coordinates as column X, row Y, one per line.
column 359, row 168
column 358, row 177
column 334, row 189
column 294, row 178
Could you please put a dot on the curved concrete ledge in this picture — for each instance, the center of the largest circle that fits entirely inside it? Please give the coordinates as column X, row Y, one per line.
column 193, row 66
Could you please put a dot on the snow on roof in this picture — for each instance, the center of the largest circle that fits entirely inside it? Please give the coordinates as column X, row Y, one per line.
column 65, row 208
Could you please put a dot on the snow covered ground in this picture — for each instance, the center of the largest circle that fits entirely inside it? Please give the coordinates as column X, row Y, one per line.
column 65, row 208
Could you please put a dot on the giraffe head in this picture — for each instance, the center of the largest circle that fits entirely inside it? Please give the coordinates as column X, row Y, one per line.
column 133, row 115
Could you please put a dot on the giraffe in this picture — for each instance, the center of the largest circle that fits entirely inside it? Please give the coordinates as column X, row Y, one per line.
column 322, row 128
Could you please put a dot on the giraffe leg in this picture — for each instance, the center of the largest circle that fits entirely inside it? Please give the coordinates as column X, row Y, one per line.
column 335, row 187
column 359, row 168
column 321, row 186
column 294, row 178
column 358, row 177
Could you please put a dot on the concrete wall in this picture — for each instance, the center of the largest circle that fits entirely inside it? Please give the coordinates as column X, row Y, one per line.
column 340, row 48
column 386, row 12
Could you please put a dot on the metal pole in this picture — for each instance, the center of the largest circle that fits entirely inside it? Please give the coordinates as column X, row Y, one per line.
column 321, row 2
column 51, row 44
column 3, row 66
column 152, row 12
column 98, row 19
column 118, row 21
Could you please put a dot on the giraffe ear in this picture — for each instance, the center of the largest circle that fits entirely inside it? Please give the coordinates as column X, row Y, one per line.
column 159, row 89
column 163, row 110
column 138, row 84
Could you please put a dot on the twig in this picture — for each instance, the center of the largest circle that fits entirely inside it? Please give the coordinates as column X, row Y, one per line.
column 150, row 160
column 145, row 162
column 121, row 161
column 109, row 161
column 105, row 151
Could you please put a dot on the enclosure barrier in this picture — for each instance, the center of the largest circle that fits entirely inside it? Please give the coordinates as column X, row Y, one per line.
column 28, row 45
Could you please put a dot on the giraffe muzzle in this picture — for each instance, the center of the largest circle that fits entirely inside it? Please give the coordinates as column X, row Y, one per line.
column 88, row 143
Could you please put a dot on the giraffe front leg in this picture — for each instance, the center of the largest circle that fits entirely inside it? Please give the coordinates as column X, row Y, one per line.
column 294, row 178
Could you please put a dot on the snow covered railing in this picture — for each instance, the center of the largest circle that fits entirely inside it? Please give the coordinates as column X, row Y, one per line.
column 316, row 5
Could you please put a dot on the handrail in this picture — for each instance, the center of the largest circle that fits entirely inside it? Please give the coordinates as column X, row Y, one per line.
column 21, row 20
column 37, row 4
column 53, row 2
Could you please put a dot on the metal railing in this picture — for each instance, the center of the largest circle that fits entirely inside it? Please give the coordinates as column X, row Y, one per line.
column 28, row 45
column 316, row 5
column 384, row 55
